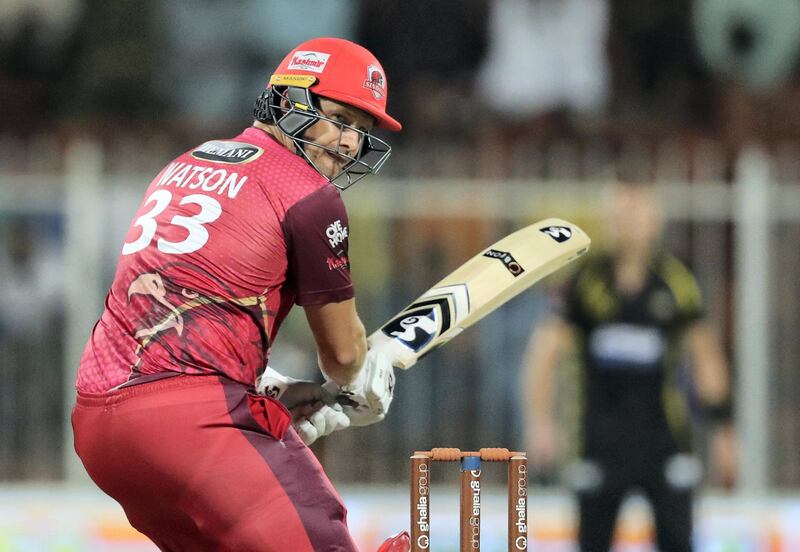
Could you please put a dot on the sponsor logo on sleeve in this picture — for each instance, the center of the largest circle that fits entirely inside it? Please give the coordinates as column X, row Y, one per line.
column 336, row 233
column 507, row 259
column 375, row 82
column 338, row 263
column 231, row 153
column 558, row 233
column 309, row 61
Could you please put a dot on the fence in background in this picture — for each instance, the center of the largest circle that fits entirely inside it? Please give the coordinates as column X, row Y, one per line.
column 406, row 233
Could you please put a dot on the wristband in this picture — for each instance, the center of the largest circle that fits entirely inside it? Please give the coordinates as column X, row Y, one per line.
column 719, row 413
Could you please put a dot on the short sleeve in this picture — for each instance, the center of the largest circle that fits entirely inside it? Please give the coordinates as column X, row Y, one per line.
column 317, row 231
column 566, row 302
column 575, row 309
column 685, row 290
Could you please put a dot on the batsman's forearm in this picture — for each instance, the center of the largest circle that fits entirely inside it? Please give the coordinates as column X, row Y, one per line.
column 711, row 369
column 343, row 368
column 543, row 391
column 340, row 337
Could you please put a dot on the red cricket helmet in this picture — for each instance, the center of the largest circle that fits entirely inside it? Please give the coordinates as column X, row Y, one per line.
column 345, row 72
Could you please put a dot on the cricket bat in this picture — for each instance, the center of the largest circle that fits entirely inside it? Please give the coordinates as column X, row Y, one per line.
column 479, row 286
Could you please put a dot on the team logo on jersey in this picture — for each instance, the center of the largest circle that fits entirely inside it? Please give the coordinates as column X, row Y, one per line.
column 558, row 233
column 309, row 61
column 375, row 82
column 336, row 233
column 166, row 314
column 432, row 315
column 507, row 259
column 231, row 153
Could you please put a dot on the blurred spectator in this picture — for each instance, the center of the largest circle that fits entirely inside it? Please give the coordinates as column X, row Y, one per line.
column 630, row 313
column 753, row 41
column 543, row 56
column 218, row 54
column 35, row 41
column 656, row 69
column 228, row 67
column 430, row 49
column 116, row 61
column 752, row 48
column 544, row 74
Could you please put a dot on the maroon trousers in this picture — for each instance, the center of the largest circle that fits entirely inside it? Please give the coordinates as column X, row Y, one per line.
column 199, row 464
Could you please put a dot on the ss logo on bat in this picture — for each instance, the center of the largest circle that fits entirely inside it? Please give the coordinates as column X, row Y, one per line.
column 429, row 317
column 414, row 329
column 558, row 233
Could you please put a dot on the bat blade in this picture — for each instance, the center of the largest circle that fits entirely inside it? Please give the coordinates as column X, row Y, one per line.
column 479, row 286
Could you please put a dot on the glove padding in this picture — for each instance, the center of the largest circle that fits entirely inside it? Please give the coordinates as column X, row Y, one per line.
column 323, row 422
column 314, row 410
column 366, row 400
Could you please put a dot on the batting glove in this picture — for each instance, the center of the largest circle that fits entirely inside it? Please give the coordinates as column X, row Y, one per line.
column 314, row 410
column 366, row 400
column 323, row 422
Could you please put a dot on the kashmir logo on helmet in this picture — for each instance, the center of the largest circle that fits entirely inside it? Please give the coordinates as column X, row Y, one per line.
column 309, row 61
column 375, row 82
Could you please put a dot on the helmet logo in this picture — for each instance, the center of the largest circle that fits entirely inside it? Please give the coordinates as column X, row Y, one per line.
column 375, row 82
column 309, row 61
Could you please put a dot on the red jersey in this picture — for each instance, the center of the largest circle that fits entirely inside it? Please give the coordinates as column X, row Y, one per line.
column 228, row 238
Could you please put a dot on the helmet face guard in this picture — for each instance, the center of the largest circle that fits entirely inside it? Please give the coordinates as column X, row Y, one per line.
column 293, row 110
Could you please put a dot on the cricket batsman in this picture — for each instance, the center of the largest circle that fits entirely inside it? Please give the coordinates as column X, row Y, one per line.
column 177, row 416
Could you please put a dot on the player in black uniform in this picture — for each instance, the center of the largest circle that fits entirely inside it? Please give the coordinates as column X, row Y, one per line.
column 631, row 313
